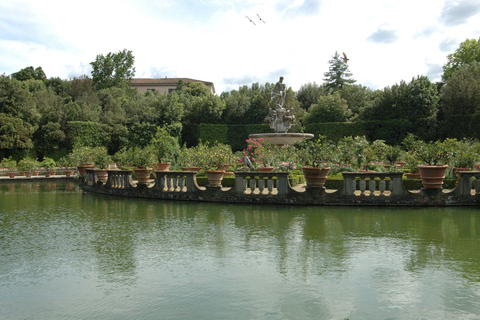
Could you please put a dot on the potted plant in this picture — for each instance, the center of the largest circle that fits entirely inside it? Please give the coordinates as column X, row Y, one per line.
column 393, row 154
column 435, row 157
column 28, row 165
column 317, row 156
column 9, row 164
column 214, row 159
column 166, row 148
column 101, row 160
column 141, row 159
column 188, row 159
column 82, row 157
column 67, row 164
column 463, row 155
column 49, row 165
column 411, row 167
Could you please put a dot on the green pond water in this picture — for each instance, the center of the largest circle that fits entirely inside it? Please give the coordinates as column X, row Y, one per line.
column 65, row 254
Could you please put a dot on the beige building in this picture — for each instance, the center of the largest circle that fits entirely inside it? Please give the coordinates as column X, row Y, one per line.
column 164, row 85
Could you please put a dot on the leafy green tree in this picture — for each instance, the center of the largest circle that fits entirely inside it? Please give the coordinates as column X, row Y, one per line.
column 412, row 101
column 309, row 93
column 338, row 74
column 237, row 104
column 17, row 101
column 358, row 97
column 461, row 94
column 330, row 108
column 467, row 52
column 30, row 73
column 13, row 133
column 113, row 70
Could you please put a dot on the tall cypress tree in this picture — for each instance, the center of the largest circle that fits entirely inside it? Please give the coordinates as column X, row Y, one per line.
column 338, row 74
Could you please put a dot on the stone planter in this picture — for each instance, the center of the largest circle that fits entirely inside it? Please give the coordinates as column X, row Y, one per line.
column 143, row 175
column 162, row 166
column 455, row 170
column 412, row 175
column 215, row 177
column 28, row 174
column 102, row 175
column 82, row 169
column 315, row 176
column 432, row 176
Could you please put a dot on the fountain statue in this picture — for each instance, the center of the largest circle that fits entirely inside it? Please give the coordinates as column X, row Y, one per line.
column 280, row 120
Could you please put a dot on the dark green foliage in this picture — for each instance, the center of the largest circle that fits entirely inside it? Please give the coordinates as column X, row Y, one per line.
column 210, row 133
column 13, row 133
column 308, row 94
column 338, row 74
column 190, row 134
column 461, row 95
column 459, row 127
column 91, row 134
column 141, row 134
column 415, row 100
column 30, row 74
column 330, row 108
column 391, row 131
column 467, row 53
column 113, row 70
column 337, row 130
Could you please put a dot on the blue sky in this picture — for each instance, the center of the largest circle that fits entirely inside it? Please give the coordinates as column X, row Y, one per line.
column 213, row 40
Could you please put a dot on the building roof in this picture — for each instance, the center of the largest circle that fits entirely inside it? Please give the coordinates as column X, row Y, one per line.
column 167, row 82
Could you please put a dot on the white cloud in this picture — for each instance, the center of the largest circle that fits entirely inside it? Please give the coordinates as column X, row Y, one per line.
column 213, row 40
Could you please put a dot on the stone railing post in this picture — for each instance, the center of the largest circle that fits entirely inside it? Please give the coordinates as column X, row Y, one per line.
column 90, row 176
column 396, row 184
column 349, row 185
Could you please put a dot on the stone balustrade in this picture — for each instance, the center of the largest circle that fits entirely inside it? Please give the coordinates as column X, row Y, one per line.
column 359, row 188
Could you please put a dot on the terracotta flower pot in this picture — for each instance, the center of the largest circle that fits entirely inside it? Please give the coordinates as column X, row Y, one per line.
column 162, row 166
column 265, row 169
column 28, row 174
column 143, row 175
column 412, row 175
column 68, row 173
column 315, row 176
column 11, row 174
column 82, row 169
column 432, row 176
column 215, row 177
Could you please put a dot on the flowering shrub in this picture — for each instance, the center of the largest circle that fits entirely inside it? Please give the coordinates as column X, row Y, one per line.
column 285, row 166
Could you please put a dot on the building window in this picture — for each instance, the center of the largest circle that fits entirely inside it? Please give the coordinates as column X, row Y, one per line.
column 171, row 90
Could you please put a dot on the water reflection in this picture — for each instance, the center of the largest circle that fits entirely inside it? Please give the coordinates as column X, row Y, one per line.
column 197, row 260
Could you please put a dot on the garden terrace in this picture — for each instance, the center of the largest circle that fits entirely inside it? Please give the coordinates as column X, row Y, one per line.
column 358, row 188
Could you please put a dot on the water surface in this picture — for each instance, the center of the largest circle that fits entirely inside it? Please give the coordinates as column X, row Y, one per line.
column 69, row 255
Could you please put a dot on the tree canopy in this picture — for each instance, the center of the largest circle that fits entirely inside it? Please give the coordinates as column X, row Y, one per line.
column 467, row 52
column 113, row 70
column 338, row 74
